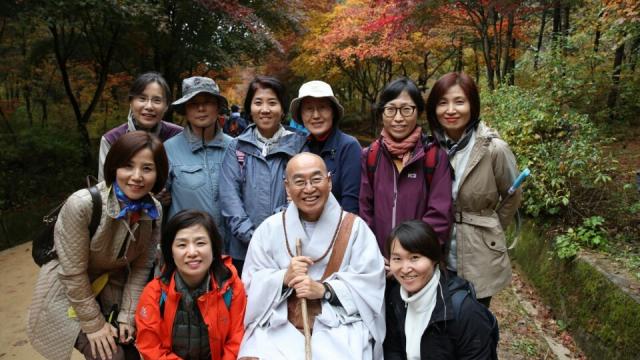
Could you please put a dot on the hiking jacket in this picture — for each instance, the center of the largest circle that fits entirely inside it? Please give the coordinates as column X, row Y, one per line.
column 164, row 131
column 341, row 154
column 481, row 248
column 194, row 174
column 254, row 190
column 467, row 337
column 63, row 303
column 396, row 197
column 226, row 325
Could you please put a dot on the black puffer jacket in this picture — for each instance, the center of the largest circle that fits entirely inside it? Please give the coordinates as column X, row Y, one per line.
column 446, row 337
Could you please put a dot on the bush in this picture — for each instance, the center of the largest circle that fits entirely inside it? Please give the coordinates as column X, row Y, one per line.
column 39, row 163
column 591, row 235
column 560, row 147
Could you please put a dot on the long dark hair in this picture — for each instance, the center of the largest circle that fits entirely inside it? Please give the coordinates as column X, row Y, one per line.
column 418, row 237
column 185, row 219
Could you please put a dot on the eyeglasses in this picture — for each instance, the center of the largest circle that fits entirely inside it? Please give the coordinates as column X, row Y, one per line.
column 314, row 181
column 154, row 100
column 405, row 111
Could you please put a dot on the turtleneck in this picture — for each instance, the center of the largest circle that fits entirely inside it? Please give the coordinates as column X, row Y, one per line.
column 419, row 309
column 267, row 143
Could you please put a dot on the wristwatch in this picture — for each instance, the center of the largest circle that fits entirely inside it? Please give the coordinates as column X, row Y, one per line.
column 327, row 292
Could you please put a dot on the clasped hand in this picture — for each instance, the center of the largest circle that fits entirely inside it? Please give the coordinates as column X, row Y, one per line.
column 298, row 279
column 103, row 341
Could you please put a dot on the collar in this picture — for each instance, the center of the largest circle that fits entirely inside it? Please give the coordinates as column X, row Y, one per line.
column 196, row 143
column 132, row 125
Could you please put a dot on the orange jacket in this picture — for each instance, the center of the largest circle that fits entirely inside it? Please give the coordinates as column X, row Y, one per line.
column 226, row 326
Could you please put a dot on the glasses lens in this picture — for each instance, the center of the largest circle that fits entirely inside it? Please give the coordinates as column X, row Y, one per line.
column 390, row 111
column 407, row 110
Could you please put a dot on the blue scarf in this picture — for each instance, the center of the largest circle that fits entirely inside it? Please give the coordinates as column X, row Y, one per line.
column 131, row 206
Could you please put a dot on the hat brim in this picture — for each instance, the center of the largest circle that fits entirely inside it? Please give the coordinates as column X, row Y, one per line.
column 178, row 105
column 295, row 108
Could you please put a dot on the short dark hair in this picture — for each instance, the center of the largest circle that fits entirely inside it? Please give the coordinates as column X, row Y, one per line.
column 185, row 219
column 418, row 237
column 266, row 82
column 394, row 89
column 127, row 146
column 141, row 82
column 441, row 87
column 235, row 108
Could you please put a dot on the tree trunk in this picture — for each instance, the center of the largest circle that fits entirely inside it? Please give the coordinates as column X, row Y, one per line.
column 557, row 21
column 27, row 102
column 540, row 36
column 615, row 79
column 45, row 115
column 507, row 72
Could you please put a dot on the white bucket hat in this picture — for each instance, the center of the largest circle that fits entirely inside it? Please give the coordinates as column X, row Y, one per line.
column 315, row 89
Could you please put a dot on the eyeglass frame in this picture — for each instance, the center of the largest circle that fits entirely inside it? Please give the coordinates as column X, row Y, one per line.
column 395, row 110
column 309, row 181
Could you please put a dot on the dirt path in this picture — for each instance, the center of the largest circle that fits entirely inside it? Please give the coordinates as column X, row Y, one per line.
column 527, row 331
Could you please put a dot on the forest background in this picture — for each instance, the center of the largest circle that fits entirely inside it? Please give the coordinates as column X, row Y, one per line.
column 559, row 80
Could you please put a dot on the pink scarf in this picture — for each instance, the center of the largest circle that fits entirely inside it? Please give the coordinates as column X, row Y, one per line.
column 402, row 149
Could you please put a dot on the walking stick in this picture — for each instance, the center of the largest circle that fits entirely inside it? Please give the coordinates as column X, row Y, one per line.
column 305, row 314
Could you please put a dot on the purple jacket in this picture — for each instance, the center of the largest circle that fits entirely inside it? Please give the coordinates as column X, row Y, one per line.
column 397, row 197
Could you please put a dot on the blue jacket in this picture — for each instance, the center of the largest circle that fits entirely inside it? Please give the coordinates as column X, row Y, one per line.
column 194, row 174
column 341, row 153
column 254, row 190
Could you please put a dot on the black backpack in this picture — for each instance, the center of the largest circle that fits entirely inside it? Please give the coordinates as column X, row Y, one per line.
column 42, row 250
column 457, row 298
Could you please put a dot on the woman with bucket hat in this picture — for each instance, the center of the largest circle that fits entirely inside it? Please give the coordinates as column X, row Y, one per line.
column 318, row 109
column 149, row 98
column 252, row 182
column 195, row 156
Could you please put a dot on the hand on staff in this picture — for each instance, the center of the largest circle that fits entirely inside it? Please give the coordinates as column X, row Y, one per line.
column 104, row 341
column 306, row 287
column 299, row 266
column 126, row 332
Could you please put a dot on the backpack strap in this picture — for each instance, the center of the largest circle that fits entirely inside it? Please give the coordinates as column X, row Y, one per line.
column 96, row 212
column 430, row 162
column 227, row 297
column 339, row 248
column 163, row 300
column 457, row 299
column 373, row 157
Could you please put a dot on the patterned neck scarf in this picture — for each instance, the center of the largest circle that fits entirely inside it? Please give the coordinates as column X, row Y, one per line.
column 135, row 206
column 402, row 149
column 454, row 146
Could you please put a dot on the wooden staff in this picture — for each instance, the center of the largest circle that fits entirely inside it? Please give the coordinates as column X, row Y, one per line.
column 305, row 314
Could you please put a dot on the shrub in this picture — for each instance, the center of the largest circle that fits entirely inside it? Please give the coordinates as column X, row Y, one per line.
column 560, row 147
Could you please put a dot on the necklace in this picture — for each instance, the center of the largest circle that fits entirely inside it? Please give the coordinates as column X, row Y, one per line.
column 333, row 240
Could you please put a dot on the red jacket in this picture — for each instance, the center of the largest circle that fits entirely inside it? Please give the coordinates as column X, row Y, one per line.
column 154, row 339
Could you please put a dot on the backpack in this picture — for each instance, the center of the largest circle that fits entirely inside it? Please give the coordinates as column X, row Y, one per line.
column 458, row 297
column 42, row 249
column 430, row 160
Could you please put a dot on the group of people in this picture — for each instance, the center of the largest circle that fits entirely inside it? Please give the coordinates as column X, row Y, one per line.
column 372, row 243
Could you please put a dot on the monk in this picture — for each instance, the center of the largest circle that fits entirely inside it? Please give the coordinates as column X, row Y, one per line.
column 340, row 274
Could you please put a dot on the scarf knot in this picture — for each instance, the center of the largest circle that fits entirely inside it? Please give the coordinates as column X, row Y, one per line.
column 145, row 205
column 402, row 149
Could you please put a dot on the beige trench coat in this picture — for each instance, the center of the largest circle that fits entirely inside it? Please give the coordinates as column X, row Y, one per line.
column 482, row 256
column 64, row 284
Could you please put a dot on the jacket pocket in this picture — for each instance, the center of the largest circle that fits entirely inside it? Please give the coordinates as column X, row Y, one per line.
column 191, row 177
column 494, row 239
